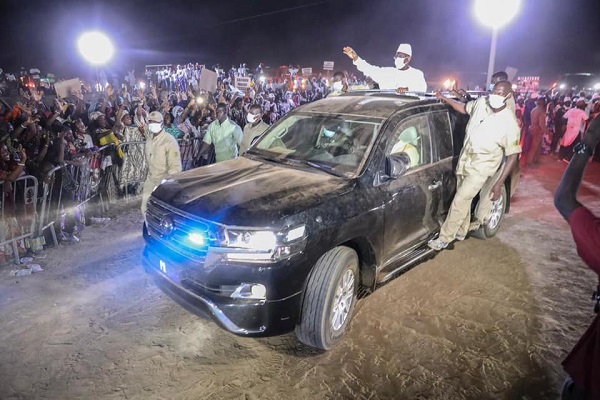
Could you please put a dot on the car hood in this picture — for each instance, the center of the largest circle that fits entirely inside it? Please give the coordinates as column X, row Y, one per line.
column 245, row 192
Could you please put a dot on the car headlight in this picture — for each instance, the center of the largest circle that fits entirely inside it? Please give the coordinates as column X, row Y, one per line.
column 263, row 245
column 251, row 240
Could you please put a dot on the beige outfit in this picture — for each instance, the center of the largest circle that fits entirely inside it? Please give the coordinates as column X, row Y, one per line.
column 250, row 133
column 163, row 158
column 536, row 130
column 489, row 138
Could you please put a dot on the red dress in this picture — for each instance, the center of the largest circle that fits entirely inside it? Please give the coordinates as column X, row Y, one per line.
column 583, row 362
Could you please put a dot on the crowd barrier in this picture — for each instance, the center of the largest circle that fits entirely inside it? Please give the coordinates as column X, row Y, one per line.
column 32, row 208
column 18, row 206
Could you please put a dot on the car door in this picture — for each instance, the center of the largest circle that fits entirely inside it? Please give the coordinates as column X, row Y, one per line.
column 412, row 202
column 448, row 132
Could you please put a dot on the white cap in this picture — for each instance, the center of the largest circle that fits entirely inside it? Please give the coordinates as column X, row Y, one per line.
column 405, row 48
column 595, row 96
column 567, row 99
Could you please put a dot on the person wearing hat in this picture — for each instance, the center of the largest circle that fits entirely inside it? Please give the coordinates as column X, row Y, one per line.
column 401, row 78
column 162, row 156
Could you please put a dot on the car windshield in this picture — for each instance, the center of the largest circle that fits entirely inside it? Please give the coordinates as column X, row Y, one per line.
column 338, row 145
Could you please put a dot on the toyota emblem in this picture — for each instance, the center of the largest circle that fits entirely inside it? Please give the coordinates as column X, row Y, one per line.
column 166, row 226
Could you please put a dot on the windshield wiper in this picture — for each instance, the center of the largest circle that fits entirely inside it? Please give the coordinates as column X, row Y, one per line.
column 322, row 167
column 264, row 157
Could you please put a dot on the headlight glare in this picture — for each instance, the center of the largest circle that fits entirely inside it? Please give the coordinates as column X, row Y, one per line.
column 252, row 240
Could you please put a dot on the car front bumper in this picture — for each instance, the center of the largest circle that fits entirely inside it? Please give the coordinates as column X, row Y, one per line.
column 176, row 274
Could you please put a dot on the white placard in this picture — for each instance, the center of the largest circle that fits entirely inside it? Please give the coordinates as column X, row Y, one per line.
column 242, row 82
column 67, row 88
column 328, row 65
column 306, row 71
column 208, row 80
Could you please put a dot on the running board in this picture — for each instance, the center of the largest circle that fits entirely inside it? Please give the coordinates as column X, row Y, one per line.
column 413, row 258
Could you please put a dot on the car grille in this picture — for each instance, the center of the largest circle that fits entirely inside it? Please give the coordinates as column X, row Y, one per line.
column 172, row 227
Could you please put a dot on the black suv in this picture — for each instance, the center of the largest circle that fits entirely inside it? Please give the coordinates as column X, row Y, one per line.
column 333, row 200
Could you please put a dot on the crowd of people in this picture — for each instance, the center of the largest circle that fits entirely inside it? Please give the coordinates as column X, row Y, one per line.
column 38, row 133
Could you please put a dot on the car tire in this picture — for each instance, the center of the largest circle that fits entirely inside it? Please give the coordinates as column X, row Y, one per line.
column 489, row 229
column 329, row 299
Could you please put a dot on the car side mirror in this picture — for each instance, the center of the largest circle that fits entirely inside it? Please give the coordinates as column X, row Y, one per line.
column 396, row 165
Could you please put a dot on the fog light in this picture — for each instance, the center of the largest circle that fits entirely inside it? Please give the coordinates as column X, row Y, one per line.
column 250, row 291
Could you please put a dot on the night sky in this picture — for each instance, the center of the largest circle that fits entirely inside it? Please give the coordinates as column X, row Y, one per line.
column 547, row 38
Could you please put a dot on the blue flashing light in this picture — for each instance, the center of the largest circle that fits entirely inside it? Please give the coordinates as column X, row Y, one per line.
column 197, row 238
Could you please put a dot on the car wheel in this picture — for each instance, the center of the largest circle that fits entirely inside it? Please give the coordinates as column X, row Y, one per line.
column 491, row 227
column 329, row 299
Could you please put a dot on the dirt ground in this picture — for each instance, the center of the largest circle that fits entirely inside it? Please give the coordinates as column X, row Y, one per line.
column 485, row 320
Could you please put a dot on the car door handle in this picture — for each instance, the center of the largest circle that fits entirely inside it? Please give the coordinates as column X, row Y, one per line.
column 434, row 185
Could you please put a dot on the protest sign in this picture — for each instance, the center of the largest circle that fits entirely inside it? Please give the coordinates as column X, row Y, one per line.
column 242, row 82
column 67, row 88
column 208, row 80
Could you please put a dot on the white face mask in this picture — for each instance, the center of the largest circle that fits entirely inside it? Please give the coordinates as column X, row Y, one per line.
column 251, row 118
column 154, row 127
column 496, row 101
column 400, row 62
column 337, row 86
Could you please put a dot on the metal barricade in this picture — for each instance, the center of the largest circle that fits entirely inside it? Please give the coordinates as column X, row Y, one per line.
column 132, row 173
column 75, row 187
column 19, row 211
column 190, row 153
column 78, row 184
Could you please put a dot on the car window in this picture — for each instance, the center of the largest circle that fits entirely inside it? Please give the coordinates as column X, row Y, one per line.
column 412, row 136
column 440, row 126
column 338, row 142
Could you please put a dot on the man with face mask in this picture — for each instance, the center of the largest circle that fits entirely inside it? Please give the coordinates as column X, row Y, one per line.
column 401, row 78
column 492, row 133
column 339, row 84
column 162, row 156
column 254, row 128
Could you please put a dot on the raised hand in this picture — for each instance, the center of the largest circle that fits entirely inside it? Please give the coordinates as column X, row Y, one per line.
column 349, row 51
column 35, row 95
column 24, row 108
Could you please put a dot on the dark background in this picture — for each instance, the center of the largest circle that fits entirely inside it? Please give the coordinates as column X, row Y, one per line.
column 547, row 38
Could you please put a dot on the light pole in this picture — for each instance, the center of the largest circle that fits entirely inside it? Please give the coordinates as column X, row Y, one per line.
column 495, row 14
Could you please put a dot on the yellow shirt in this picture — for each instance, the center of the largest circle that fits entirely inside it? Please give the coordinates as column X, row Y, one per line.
column 162, row 156
column 490, row 136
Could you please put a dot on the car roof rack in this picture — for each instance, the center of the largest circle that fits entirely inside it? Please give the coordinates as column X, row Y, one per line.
column 388, row 93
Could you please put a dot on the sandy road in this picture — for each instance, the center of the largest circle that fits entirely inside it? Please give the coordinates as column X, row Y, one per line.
column 485, row 320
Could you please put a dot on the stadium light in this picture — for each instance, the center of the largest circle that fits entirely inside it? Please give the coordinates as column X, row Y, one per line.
column 95, row 47
column 495, row 14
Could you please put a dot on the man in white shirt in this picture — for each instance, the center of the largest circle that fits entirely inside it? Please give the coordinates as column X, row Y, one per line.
column 402, row 78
